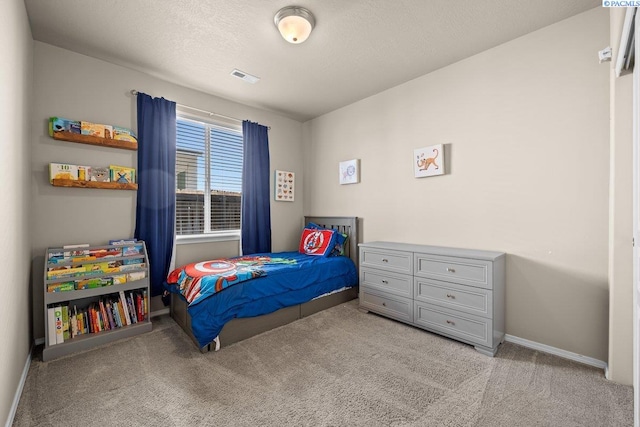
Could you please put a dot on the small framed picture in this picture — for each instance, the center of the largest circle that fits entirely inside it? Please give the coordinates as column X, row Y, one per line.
column 350, row 172
column 428, row 161
column 284, row 186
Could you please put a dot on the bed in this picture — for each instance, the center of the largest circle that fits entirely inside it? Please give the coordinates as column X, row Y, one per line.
column 279, row 288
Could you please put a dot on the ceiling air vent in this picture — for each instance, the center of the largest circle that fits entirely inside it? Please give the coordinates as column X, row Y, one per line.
column 245, row 76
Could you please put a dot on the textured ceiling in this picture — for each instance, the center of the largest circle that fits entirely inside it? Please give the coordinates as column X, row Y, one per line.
column 358, row 48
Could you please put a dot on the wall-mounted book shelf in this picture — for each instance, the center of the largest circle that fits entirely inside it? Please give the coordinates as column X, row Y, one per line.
column 93, row 184
column 95, row 140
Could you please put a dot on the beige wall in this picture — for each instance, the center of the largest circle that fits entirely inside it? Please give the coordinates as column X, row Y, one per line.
column 620, row 216
column 526, row 128
column 16, row 72
column 75, row 86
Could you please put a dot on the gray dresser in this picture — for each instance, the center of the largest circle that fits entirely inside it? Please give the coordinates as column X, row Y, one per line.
column 458, row 293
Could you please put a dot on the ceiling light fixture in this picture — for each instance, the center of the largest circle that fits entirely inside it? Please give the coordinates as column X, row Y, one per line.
column 294, row 23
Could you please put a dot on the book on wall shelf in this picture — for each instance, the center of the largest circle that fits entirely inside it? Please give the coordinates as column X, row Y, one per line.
column 94, row 295
column 122, row 174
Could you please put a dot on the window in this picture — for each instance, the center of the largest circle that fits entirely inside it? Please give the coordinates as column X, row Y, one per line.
column 208, row 178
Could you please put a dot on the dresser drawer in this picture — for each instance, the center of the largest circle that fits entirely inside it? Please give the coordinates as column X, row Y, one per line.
column 390, row 305
column 399, row 284
column 451, row 269
column 396, row 261
column 465, row 327
column 467, row 299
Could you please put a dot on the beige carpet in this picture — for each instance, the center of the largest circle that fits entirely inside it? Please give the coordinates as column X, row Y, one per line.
column 339, row 367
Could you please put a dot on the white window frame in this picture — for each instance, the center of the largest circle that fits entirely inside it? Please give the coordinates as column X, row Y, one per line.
column 211, row 236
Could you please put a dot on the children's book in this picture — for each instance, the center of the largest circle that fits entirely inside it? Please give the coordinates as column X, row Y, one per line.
column 97, row 282
column 125, row 309
column 51, row 325
column 132, row 308
column 137, row 275
column 132, row 250
column 84, row 173
column 105, row 253
column 103, row 267
column 121, row 313
column 122, row 174
column 124, row 134
column 66, row 334
column 145, row 299
column 73, row 322
column 64, row 271
column 85, row 322
column 83, row 258
column 59, row 124
column 56, row 256
column 96, row 129
column 112, row 323
column 61, row 287
column 116, row 314
column 119, row 279
column 72, row 251
column 140, row 307
column 62, row 171
column 133, row 266
column 103, row 315
column 122, row 242
column 99, row 174
column 58, row 322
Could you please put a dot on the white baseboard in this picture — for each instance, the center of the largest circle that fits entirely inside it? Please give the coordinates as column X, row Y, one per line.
column 16, row 398
column 159, row 312
column 558, row 352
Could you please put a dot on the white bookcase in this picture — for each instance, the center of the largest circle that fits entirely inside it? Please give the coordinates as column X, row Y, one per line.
column 130, row 260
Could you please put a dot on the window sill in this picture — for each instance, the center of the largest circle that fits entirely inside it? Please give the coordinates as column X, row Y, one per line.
column 208, row 238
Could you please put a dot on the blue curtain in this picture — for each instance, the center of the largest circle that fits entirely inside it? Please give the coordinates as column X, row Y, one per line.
column 256, row 210
column 155, row 212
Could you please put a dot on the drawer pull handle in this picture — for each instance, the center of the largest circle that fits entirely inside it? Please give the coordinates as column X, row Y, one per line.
column 451, row 296
column 451, row 322
column 385, row 260
column 451, row 270
column 385, row 282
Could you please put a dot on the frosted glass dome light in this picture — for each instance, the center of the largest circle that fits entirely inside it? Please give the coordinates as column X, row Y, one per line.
column 294, row 23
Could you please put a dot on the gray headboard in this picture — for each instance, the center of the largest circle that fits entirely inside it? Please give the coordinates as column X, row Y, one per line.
column 344, row 224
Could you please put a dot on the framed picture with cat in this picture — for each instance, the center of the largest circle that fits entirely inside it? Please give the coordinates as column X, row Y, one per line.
column 428, row 161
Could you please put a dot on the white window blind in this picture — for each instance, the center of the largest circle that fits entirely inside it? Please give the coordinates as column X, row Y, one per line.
column 208, row 178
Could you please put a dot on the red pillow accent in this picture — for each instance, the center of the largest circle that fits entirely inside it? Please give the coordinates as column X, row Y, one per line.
column 317, row 242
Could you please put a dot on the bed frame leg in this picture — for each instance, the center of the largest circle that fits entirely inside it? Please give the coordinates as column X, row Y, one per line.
column 207, row 348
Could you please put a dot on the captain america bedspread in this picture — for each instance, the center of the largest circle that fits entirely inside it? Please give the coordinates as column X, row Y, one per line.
column 219, row 290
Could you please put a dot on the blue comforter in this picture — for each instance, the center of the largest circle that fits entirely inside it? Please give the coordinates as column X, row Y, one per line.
column 296, row 278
